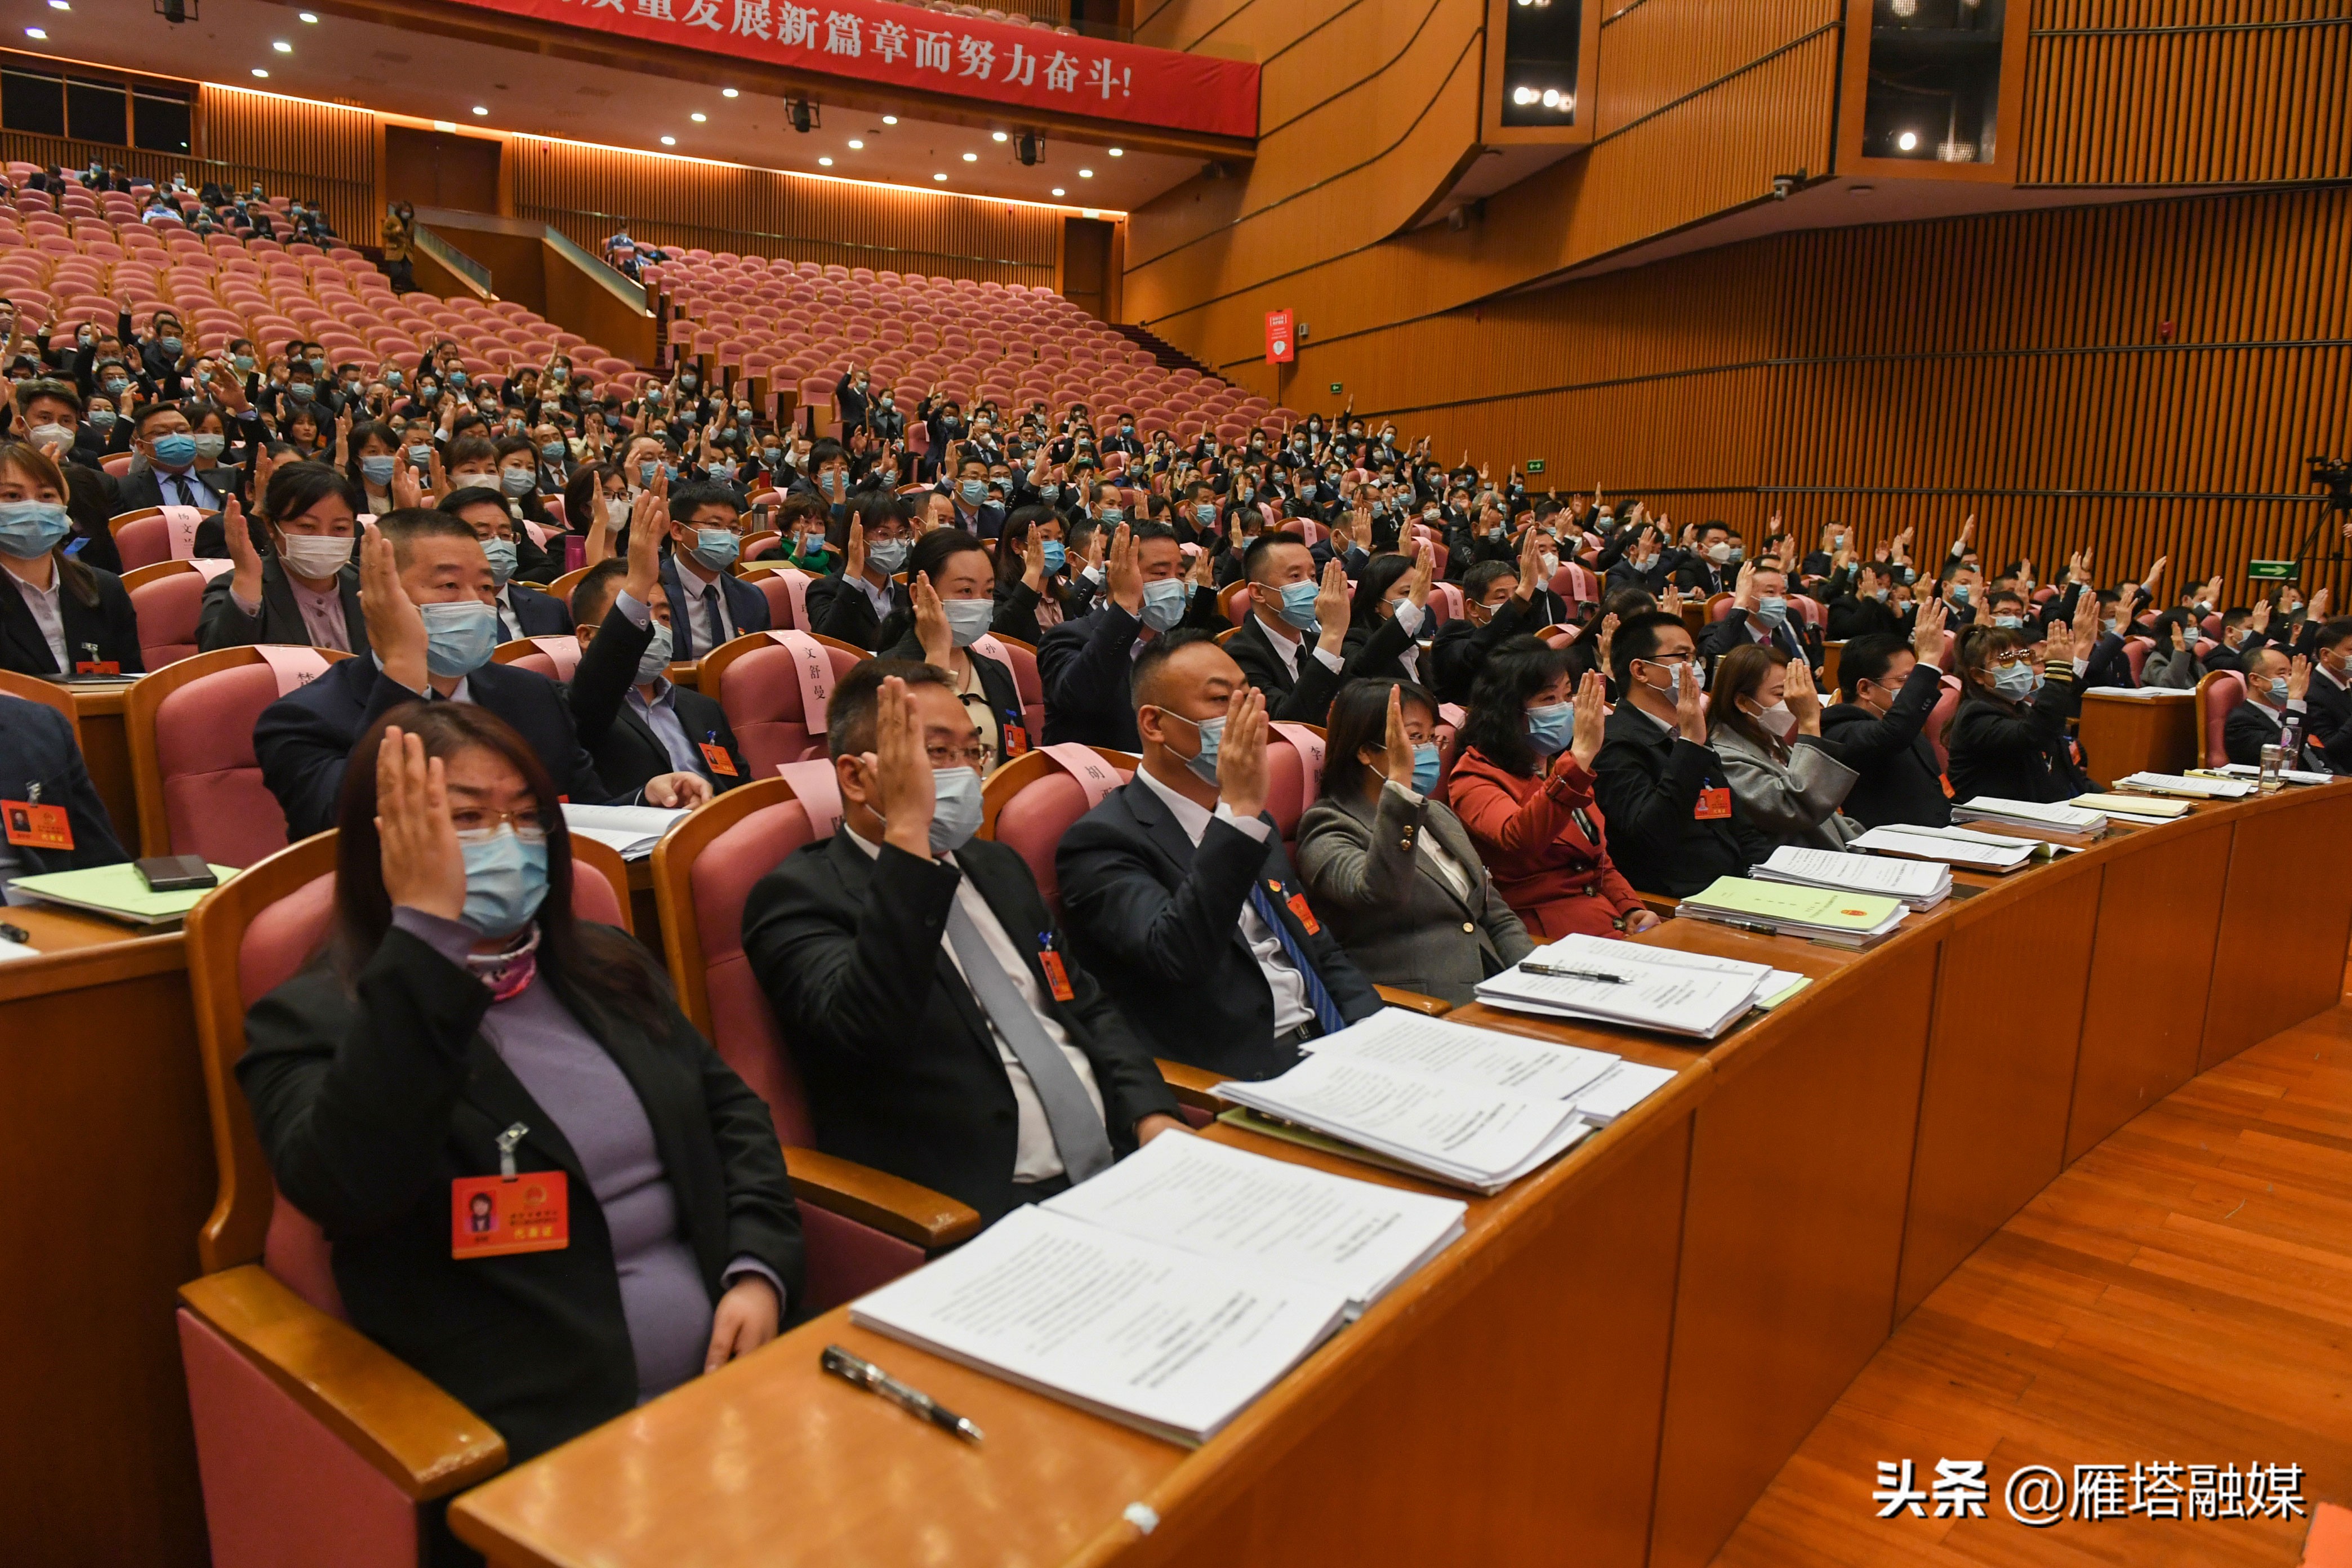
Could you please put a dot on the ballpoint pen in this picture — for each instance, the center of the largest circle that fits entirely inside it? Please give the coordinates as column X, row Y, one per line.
column 1531, row 967
column 852, row 1368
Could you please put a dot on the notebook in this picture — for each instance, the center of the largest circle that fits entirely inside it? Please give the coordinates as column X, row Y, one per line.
column 2065, row 822
column 116, row 891
column 2194, row 788
column 1921, row 884
column 1832, row 915
column 1953, row 845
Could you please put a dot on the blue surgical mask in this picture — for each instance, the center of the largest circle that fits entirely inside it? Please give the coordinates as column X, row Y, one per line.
column 973, row 491
column 420, row 454
column 1552, row 726
column 1163, row 604
column 887, row 555
column 646, row 472
column 1424, row 767
column 968, row 619
column 553, row 451
column 1298, row 603
column 210, row 446
column 518, row 482
column 722, row 470
column 503, row 561
column 955, row 808
column 116, row 386
column 2012, row 622
column 1960, row 593
column 392, row 379
column 459, row 636
column 2278, row 690
column 1050, row 492
column 772, row 456
column 2015, row 681
column 244, row 363
column 31, row 529
column 1110, row 516
column 300, row 391
column 655, row 658
column 456, row 377
column 1204, row 762
column 716, row 548
column 176, row 450
column 1205, row 515
column 506, row 880
column 169, row 345
column 1775, row 610
column 1056, row 556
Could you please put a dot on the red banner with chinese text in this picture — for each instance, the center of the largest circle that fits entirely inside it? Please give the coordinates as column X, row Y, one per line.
column 906, row 46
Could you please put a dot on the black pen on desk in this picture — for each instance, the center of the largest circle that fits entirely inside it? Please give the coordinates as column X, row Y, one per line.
column 852, row 1368
column 1531, row 967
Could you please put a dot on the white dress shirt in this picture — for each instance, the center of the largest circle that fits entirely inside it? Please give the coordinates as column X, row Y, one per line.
column 1291, row 1007
column 1286, row 649
column 48, row 612
column 1035, row 1156
column 709, row 633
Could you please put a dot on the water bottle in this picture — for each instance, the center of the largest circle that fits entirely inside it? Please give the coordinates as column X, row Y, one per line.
column 2274, row 758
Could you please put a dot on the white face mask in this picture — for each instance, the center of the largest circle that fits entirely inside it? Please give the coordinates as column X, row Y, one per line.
column 315, row 555
column 1777, row 720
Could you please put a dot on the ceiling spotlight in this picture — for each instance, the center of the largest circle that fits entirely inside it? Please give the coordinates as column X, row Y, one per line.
column 890, row 120
column 1059, row 192
column 257, row 70
column 1086, row 174
column 972, row 157
column 481, row 108
column 669, row 140
column 1118, row 152
column 729, row 93
column 698, row 116
column 60, row 5
column 1551, row 98
column 855, row 146
column 281, row 45
column 1908, row 142
column 1523, row 95
column 825, row 162
column 1000, row 136
column 310, row 17
column 39, row 34
column 1905, row 9
column 938, row 176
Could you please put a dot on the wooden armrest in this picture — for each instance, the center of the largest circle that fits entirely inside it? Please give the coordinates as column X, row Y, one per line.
column 391, row 1415
column 1192, row 1086
column 1414, row 1000
column 892, row 1206
column 1660, row 904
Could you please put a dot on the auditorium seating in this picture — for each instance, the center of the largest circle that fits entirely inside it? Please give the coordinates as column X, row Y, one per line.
column 756, row 683
column 168, row 598
column 199, row 785
column 2217, row 693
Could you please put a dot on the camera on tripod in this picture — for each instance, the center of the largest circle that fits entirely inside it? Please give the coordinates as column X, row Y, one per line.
column 2335, row 475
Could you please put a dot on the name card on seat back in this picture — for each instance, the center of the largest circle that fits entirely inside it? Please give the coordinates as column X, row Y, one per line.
column 293, row 666
column 814, row 668
column 180, row 525
column 818, row 789
column 1095, row 775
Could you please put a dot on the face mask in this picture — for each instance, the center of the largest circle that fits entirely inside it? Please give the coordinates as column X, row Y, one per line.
column 1878, row 594
column 517, row 481
column 1776, row 719
column 716, row 548
column 968, row 619
column 299, row 391
column 456, row 377
column 1203, row 762
column 1428, row 514
column 1719, row 552
column 31, row 529
column 2015, row 681
column 503, row 561
column 392, row 378
column 1549, row 564
column 1110, row 516
column 973, row 491
column 1163, row 604
column 244, row 363
column 722, row 470
column 655, row 658
column 2112, row 627
column 170, row 346
column 1550, row 728
column 116, row 386
column 506, row 880
column 458, row 637
column 1960, row 593
column 1424, row 767
column 831, row 482
column 102, row 417
column 1057, row 555
column 176, row 450
column 646, row 472
column 558, row 376
column 1051, row 493
column 2278, row 690
column 1205, row 515
column 552, row 452
column 1775, row 610
column 1408, row 615
column 211, row 446
column 54, row 438
column 2012, row 622
column 955, row 808
column 314, row 555
column 1298, row 603
column 686, row 382
column 886, row 556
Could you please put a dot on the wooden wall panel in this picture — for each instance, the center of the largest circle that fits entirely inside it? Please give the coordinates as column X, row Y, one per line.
column 2187, row 93
column 581, row 190
column 293, row 147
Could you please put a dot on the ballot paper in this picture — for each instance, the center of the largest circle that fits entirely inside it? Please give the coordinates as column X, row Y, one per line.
column 2133, row 810
column 2194, row 788
column 1954, row 846
column 1619, row 1090
column 1162, row 1339
column 630, row 830
column 1784, row 908
column 2292, row 775
column 1921, row 884
column 1670, row 991
column 1266, row 1215
column 1467, row 1135
column 2035, row 814
column 1395, row 1037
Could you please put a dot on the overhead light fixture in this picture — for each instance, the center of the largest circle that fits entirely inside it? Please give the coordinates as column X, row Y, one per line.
column 698, row 116
column 1523, row 95
column 669, row 140
column 972, row 157
column 1118, row 152
column 938, row 176
column 60, row 5
column 1086, row 174
column 257, row 70
column 310, row 17
column 857, row 146
column 1908, row 142
column 281, row 45
column 802, row 114
column 825, row 162
column 481, row 108
column 729, row 93
column 1000, row 136
column 890, row 120
column 40, row 35
column 1059, row 192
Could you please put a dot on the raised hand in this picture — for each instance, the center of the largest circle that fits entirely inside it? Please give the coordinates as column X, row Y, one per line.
column 1033, row 560
column 1803, row 698
column 2260, row 619
column 2086, row 625
column 1241, row 755
column 1609, row 634
column 246, row 582
column 896, row 773
column 1530, row 567
column 1688, row 715
column 1331, row 609
column 643, row 579
column 1123, row 577
column 2317, row 609
column 2298, row 677
column 1591, row 718
column 931, row 628
column 1425, row 569
column 1928, row 631
column 395, row 631
column 854, row 563
column 1672, row 601
column 417, row 844
column 2155, row 574
column 1743, row 591
column 1398, row 761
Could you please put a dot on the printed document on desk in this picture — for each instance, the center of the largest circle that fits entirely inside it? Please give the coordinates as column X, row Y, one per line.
column 1657, row 987
column 1458, row 1053
column 631, row 831
column 1921, row 884
column 1164, row 1341
column 1953, row 845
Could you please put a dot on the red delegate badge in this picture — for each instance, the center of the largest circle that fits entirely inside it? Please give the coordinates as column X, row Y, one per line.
column 720, row 763
column 35, row 827
column 1016, row 740
column 1306, row 916
column 1713, row 804
column 492, row 1216
column 97, row 667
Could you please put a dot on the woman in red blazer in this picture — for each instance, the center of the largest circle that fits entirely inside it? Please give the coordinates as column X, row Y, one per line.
column 1523, row 786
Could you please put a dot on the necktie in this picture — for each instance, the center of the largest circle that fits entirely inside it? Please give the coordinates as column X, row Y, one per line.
column 1327, row 1012
column 1069, row 1115
column 718, row 627
column 182, row 480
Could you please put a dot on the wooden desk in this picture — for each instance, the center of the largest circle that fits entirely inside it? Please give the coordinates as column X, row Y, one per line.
column 1624, row 1347
column 106, row 748
column 2123, row 735
column 106, row 1173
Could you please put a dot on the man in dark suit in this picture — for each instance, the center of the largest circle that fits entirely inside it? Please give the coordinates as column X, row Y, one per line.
column 1879, row 730
column 974, row 512
column 1500, row 601
column 850, row 398
column 2328, row 645
column 1711, row 565
column 426, row 587
column 1178, row 894
column 523, row 610
column 708, row 607
column 1865, row 611
column 160, row 433
column 2276, row 712
column 1292, row 646
column 1761, row 613
column 850, row 606
column 1085, row 663
column 633, row 721
column 41, row 767
column 996, row 1072
column 1674, row 823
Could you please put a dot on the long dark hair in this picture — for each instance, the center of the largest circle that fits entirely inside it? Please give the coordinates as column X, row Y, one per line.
column 1360, row 718
column 1497, row 727
column 1740, row 673
column 1379, row 575
column 1978, row 646
column 594, row 963
column 584, row 495
column 41, row 469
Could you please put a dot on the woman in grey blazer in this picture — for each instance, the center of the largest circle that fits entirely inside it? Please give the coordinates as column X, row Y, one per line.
column 1764, row 720
column 1392, row 871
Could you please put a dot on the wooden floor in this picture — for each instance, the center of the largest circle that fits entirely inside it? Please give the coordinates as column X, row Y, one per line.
column 2182, row 1293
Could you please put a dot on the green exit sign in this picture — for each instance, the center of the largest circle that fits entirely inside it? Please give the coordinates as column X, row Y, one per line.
column 1535, row 465
column 2279, row 571
column 1335, row 389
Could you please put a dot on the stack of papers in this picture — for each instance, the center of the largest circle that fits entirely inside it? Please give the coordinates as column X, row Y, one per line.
column 1782, row 908
column 1647, row 987
column 1169, row 1342
column 117, row 891
column 2248, row 771
column 2042, row 816
column 1471, row 1108
column 1954, row 846
column 2144, row 692
column 1921, row 884
column 2194, row 788
column 2139, row 810
column 631, row 830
